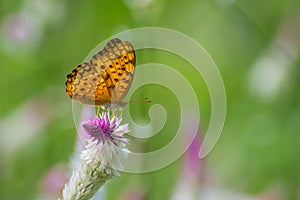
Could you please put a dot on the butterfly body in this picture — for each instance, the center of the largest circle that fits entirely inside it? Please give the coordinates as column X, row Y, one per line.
column 106, row 78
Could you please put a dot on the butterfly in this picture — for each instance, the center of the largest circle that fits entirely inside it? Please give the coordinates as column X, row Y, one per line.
column 106, row 78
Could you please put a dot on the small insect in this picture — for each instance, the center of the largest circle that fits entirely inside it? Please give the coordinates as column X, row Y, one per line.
column 106, row 78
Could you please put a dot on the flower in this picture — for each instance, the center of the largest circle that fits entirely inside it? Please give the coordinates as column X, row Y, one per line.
column 106, row 139
column 99, row 160
column 105, row 129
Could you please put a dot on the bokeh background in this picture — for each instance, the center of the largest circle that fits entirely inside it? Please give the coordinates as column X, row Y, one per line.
column 255, row 44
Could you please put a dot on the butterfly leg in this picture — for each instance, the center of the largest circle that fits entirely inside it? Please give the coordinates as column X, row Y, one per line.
column 98, row 111
column 112, row 114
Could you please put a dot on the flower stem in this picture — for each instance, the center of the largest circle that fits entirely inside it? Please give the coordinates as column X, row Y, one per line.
column 87, row 179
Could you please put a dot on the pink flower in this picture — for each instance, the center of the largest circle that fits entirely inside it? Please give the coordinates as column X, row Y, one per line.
column 106, row 129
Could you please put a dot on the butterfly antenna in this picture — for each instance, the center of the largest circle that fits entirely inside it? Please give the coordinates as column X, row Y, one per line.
column 142, row 100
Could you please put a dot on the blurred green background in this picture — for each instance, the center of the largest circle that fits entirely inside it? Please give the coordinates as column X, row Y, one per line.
column 255, row 44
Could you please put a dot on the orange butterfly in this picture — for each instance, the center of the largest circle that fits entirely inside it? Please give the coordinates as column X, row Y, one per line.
column 106, row 78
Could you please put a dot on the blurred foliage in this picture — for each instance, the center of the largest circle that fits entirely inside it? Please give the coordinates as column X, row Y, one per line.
column 260, row 142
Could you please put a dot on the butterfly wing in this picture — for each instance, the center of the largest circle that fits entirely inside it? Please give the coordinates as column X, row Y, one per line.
column 81, row 85
column 119, row 73
column 106, row 78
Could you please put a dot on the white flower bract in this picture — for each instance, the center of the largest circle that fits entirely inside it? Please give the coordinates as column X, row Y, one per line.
column 99, row 161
